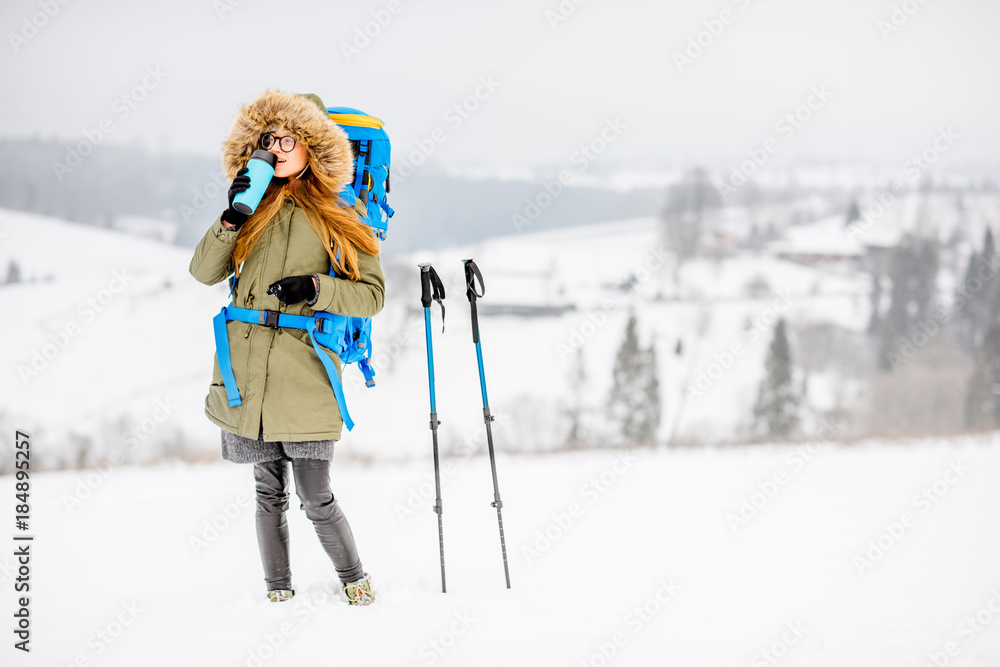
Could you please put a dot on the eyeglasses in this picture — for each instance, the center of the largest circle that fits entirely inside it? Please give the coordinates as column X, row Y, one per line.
column 286, row 144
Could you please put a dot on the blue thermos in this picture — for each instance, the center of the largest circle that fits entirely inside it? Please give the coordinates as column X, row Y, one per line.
column 260, row 169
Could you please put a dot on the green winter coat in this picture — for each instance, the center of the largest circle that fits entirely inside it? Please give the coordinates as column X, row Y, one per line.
column 281, row 381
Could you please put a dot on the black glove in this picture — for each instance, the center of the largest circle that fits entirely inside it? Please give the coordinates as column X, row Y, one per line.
column 293, row 289
column 240, row 183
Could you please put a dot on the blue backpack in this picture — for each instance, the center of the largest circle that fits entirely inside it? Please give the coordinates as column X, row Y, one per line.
column 348, row 337
column 370, row 145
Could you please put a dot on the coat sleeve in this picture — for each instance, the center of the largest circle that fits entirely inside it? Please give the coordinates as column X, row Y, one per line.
column 363, row 298
column 213, row 258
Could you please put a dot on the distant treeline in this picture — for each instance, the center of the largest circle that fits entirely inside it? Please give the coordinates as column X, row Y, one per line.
column 97, row 184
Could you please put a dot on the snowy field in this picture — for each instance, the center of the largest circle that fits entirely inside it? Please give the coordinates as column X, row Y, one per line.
column 631, row 555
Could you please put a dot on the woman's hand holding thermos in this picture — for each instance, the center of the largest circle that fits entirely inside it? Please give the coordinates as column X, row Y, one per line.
column 233, row 218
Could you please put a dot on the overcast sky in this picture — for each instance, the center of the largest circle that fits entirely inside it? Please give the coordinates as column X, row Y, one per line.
column 555, row 84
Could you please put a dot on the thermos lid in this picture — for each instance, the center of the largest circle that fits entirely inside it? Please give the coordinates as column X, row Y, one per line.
column 266, row 156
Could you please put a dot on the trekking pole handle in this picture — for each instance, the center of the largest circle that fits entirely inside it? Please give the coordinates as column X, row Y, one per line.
column 431, row 289
column 425, row 285
column 471, row 274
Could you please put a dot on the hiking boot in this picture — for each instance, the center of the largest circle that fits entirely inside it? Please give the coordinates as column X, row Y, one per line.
column 360, row 592
column 280, row 595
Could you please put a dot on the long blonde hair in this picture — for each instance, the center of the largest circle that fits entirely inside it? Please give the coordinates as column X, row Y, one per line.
column 317, row 194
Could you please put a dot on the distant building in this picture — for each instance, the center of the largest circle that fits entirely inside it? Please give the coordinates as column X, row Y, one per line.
column 829, row 241
column 822, row 242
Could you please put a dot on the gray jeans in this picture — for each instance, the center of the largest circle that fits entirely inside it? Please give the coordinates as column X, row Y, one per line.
column 312, row 486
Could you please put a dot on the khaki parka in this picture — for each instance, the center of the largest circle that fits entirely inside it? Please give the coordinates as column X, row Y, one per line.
column 282, row 383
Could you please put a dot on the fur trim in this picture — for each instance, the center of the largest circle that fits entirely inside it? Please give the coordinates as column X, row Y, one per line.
column 326, row 142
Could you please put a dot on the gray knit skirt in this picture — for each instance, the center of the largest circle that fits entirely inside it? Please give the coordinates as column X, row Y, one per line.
column 237, row 449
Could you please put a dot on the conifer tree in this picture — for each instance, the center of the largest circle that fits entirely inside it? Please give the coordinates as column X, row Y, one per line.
column 651, row 406
column 912, row 269
column 986, row 271
column 634, row 404
column 967, row 311
column 982, row 408
column 776, row 412
column 13, row 273
column 875, row 321
column 977, row 299
column 989, row 245
column 853, row 213
column 577, row 435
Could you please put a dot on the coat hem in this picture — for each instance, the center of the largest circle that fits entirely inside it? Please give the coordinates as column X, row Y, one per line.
column 301, row 437
column 221, row 424
column 278, row 437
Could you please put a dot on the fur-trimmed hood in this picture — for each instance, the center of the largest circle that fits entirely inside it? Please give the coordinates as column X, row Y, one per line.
column 301, row 116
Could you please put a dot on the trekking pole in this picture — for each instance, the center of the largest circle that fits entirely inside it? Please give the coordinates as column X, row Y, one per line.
column 431, row 288
column 471, row 274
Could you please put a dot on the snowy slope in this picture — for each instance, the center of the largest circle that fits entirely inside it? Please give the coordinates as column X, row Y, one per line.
column 709, row 314
column 630, row 552
column 101, row 363
column 109, row 324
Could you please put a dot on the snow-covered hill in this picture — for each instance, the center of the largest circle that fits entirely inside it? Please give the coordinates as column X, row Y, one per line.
column 113, row 345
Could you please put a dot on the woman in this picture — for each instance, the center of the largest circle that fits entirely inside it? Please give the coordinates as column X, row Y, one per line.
column 281, row 255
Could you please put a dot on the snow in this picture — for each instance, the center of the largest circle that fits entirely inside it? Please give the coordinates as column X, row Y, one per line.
column 632, row 552
column 825, row 237
column 144, row 338
column 628, row 550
